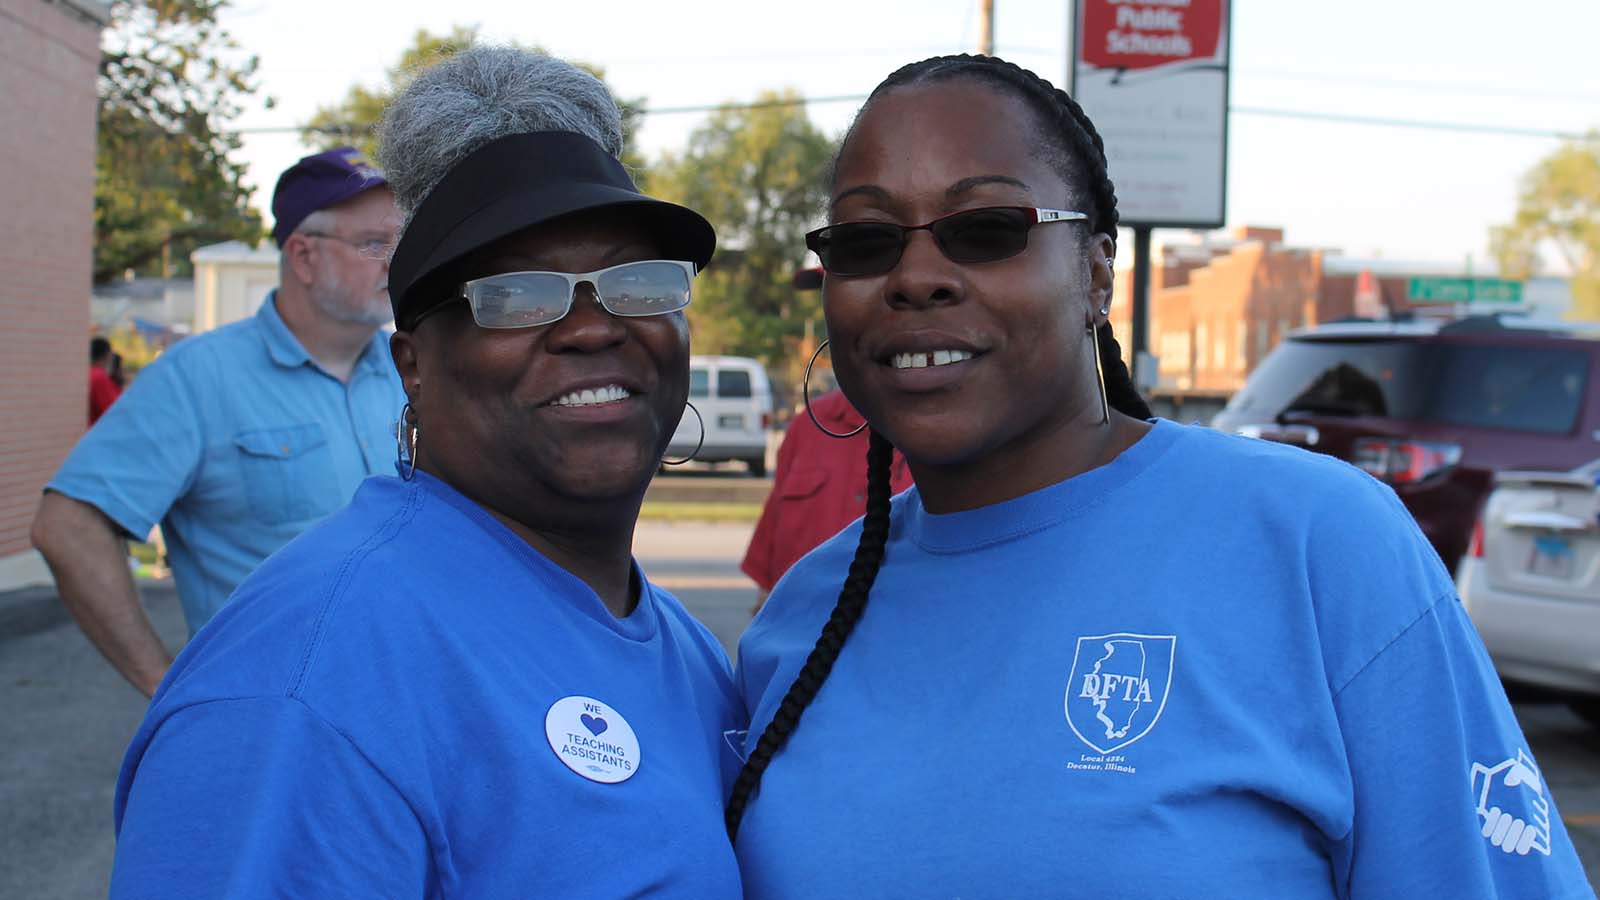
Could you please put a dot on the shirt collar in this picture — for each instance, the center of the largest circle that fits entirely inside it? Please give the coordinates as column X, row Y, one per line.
column 284, row 348
column 287, row 351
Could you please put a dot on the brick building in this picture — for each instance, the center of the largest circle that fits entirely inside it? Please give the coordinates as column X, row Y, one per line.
column 47, row 160
column 1219, row 302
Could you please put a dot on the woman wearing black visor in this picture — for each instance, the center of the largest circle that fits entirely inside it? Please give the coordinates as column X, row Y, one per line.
column 462, row 685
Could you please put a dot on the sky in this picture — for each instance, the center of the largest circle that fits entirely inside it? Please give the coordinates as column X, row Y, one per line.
column 1425, row 195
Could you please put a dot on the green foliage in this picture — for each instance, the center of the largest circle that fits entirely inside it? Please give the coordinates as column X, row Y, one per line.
column 354, row 119
column 170, row 80
column 759, row 173
column 1559, row 211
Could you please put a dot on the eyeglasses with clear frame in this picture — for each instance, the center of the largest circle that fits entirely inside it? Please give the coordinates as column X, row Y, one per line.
column 651, row 287
column 369, row 248
column 988, row 234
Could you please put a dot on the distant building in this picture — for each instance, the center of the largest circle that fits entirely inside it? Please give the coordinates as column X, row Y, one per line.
column 230, row 281
column 150, row 305
column 1219, row 303
column 46, row 189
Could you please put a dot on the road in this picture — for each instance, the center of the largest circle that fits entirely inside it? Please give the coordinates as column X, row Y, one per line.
column 65, row 719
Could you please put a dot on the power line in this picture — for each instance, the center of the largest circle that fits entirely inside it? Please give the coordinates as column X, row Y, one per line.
column 1258, row 111
column 1472, row 128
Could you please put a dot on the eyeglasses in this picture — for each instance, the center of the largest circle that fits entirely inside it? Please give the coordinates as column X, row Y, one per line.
column 526, row 299
column 371, row 247
column 982, row 235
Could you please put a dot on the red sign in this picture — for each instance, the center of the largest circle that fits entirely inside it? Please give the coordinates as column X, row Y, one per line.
column 1145, row 34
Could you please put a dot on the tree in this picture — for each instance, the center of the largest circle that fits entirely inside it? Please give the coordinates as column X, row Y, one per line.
column 1559, row 211
column 354, row 119
column 170, row 81
column 759, row 173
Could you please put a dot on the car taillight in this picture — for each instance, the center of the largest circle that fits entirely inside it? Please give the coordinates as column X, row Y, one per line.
column 1476, row 550
column 1404, row 462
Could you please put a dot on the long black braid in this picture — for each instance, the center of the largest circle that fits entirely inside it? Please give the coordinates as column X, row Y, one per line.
column 1081, row 153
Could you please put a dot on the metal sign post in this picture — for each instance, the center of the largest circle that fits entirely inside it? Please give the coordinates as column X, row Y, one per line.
column 1153, row 77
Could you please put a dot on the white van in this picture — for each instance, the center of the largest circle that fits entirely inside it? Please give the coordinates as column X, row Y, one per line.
column 735, row 402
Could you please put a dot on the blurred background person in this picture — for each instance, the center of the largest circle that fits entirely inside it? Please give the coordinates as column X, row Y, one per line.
column 818, row 487
column 236, row 440
column 103, row 373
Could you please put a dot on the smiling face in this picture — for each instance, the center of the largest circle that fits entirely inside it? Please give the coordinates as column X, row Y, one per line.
column 581, row 409
column 1017, row 376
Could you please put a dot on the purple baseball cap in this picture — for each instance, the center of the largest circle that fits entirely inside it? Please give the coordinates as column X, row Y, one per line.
column 317, row 182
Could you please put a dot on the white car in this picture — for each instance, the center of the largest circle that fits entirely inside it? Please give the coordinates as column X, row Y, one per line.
column 1531, row 582
column 734, row 398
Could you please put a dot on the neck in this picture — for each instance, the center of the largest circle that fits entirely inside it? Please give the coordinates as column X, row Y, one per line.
column 334, row 346
column 1026, row 465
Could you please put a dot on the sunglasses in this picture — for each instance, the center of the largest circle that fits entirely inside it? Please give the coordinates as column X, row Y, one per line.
column 528, row 299
column 982, row 235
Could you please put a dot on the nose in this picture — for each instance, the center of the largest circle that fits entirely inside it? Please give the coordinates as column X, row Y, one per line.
column 924, row 276
column 587, row 327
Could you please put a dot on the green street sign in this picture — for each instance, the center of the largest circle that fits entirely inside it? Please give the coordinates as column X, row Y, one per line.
column 1464, row 290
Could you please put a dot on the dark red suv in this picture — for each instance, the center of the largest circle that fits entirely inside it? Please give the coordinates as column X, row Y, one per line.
column 1434, row 409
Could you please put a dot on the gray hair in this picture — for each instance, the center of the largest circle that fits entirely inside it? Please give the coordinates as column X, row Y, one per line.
column 480, row 95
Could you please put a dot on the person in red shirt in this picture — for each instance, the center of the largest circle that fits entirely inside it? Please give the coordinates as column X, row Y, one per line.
column 103, row 391
column 818, row 487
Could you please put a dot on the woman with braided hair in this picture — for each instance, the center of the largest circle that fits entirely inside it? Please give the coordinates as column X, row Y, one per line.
column 1089, row 653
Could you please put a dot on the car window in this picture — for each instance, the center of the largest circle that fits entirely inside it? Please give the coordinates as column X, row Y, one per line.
column 1521, row 388
column 733, row 383
column 1340, row 378
column 699, row 383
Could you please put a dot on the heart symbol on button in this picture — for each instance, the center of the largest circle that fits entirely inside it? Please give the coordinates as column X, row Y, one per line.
column 595, row 724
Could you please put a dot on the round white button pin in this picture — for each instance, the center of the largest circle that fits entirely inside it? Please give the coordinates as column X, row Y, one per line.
column 592, row 739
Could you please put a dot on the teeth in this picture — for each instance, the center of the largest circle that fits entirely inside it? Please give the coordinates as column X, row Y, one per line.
column 611, row 393
column 923, row 360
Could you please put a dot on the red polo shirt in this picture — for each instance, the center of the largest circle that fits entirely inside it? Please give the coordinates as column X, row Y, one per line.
column 819, row 487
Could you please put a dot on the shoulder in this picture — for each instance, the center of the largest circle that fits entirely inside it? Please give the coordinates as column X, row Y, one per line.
column 290, row 610
column 701, row 643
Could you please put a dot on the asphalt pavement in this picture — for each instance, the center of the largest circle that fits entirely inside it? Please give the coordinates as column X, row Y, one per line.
column 66, row 717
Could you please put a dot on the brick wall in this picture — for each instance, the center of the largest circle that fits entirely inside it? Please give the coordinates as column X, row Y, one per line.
column 47, row 148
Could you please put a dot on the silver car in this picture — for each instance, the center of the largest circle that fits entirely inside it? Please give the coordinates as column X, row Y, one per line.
column 1531, row 582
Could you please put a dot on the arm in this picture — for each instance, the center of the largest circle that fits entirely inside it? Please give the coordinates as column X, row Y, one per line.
column 261, row 797
column 88, row 557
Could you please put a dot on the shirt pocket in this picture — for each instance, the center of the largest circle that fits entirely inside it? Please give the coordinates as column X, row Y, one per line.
column 288, row 473
column 802, row 483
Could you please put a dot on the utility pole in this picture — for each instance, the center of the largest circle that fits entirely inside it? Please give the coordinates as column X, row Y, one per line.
column 986, row 27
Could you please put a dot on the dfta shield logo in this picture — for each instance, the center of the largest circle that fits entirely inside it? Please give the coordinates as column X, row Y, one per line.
column 1118, row 687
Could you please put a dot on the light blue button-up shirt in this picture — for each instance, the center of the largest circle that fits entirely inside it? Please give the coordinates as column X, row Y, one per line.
column 235, row 441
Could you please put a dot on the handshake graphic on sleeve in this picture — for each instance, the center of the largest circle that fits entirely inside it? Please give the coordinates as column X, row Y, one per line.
column 1513, row 805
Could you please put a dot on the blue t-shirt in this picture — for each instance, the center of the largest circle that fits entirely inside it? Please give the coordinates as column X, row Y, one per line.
column 235, row 441
column 1214, row 667
column 410, row 701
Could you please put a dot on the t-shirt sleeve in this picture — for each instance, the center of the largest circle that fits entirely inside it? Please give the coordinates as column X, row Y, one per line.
column 143, row 453
column 1449, row 801
column 261, row 798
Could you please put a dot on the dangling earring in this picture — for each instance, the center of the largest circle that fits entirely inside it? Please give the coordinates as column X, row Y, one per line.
column 698, row 444
column 405, row 433
column 805, row 393
column 1100, row 372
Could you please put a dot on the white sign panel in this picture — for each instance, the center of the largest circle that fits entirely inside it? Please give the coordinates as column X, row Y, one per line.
column 1153, row 77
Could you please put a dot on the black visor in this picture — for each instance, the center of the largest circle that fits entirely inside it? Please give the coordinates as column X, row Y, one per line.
column 516, row 182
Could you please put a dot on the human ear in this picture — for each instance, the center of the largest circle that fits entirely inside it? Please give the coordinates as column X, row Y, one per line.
column 403, row 347
column 1102, row 258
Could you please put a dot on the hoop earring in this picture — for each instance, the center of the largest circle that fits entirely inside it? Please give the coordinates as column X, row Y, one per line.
column 403, row 455
column 698, row 444
column 805, row 393
column 1100, row 372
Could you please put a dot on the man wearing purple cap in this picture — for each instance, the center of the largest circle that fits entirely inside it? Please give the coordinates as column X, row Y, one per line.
column 236, row 440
